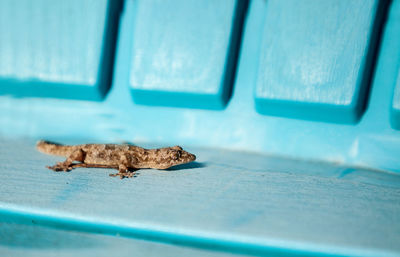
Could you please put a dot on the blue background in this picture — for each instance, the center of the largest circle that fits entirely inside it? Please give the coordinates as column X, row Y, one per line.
column 293, row 109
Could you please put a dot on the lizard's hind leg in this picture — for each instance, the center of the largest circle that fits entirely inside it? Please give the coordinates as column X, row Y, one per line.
column 126, row 161
column 124, row 172
column 77, row 155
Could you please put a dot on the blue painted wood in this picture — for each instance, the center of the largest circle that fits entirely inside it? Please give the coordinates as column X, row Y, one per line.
column 394, row 74
column 184, row 52
column 316, row 57
column 370, row 143
column 395, row 111
column 57, row 48
column 21, row 239
column 231, row 201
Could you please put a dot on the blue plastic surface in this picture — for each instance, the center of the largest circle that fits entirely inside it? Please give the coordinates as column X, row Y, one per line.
column 395, row 113
column 57, row 48
column 239, row 197
column 395, row 108
column 230, row 201
column 29, row 240
column 393, row 74
column 370, row 143
column 184, row 52
column 316, row 57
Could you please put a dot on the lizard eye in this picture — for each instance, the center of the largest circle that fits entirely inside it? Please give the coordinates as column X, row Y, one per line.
column 176, row 155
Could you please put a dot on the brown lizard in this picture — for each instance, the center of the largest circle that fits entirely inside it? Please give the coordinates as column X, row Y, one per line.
column 120, row 157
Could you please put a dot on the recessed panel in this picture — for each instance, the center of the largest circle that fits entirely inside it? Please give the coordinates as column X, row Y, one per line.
column 184, row 52
column 316, row 57
column 57, row 48
column 395, row 112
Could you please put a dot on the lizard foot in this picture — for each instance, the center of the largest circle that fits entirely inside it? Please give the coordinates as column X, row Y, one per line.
column 60, row 167
column 127, row 174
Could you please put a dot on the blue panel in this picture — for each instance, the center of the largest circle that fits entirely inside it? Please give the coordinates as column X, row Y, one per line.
column 395, row 42
column 395, row 113
column 242, row 201
column 316, row 57
column 184, row 52
column 29, row 240
column 236, row 202
column 57, row 48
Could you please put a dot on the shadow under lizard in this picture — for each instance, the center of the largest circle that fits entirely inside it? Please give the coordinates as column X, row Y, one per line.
column 120, row 157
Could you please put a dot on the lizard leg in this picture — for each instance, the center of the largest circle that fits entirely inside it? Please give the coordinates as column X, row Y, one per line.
column 123, row 171
column 77, row 155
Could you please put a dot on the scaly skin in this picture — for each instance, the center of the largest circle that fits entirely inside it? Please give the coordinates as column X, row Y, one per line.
column 121, row 157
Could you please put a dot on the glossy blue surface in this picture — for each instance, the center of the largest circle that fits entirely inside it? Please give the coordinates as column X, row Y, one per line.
column 184, row 52
column 58, row 49
column 315, row 58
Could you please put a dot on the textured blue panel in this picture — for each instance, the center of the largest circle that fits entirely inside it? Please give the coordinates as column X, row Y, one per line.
column 315, row 58
column 395, row 42
column 57, row 48
column 184, row 52
column 29, row 240
column 235, row 202
column 395, row 112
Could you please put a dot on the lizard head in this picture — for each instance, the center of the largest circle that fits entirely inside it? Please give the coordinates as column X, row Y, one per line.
column 175, row 156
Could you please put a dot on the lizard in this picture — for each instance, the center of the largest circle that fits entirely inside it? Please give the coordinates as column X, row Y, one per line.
column 121, row 157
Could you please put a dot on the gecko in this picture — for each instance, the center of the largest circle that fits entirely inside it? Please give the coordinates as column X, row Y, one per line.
column 121, row 157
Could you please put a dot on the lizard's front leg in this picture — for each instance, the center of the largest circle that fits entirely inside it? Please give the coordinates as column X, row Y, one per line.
column 77, row 155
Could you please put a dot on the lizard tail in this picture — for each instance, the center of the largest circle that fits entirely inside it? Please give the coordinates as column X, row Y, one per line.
column 53, row 148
